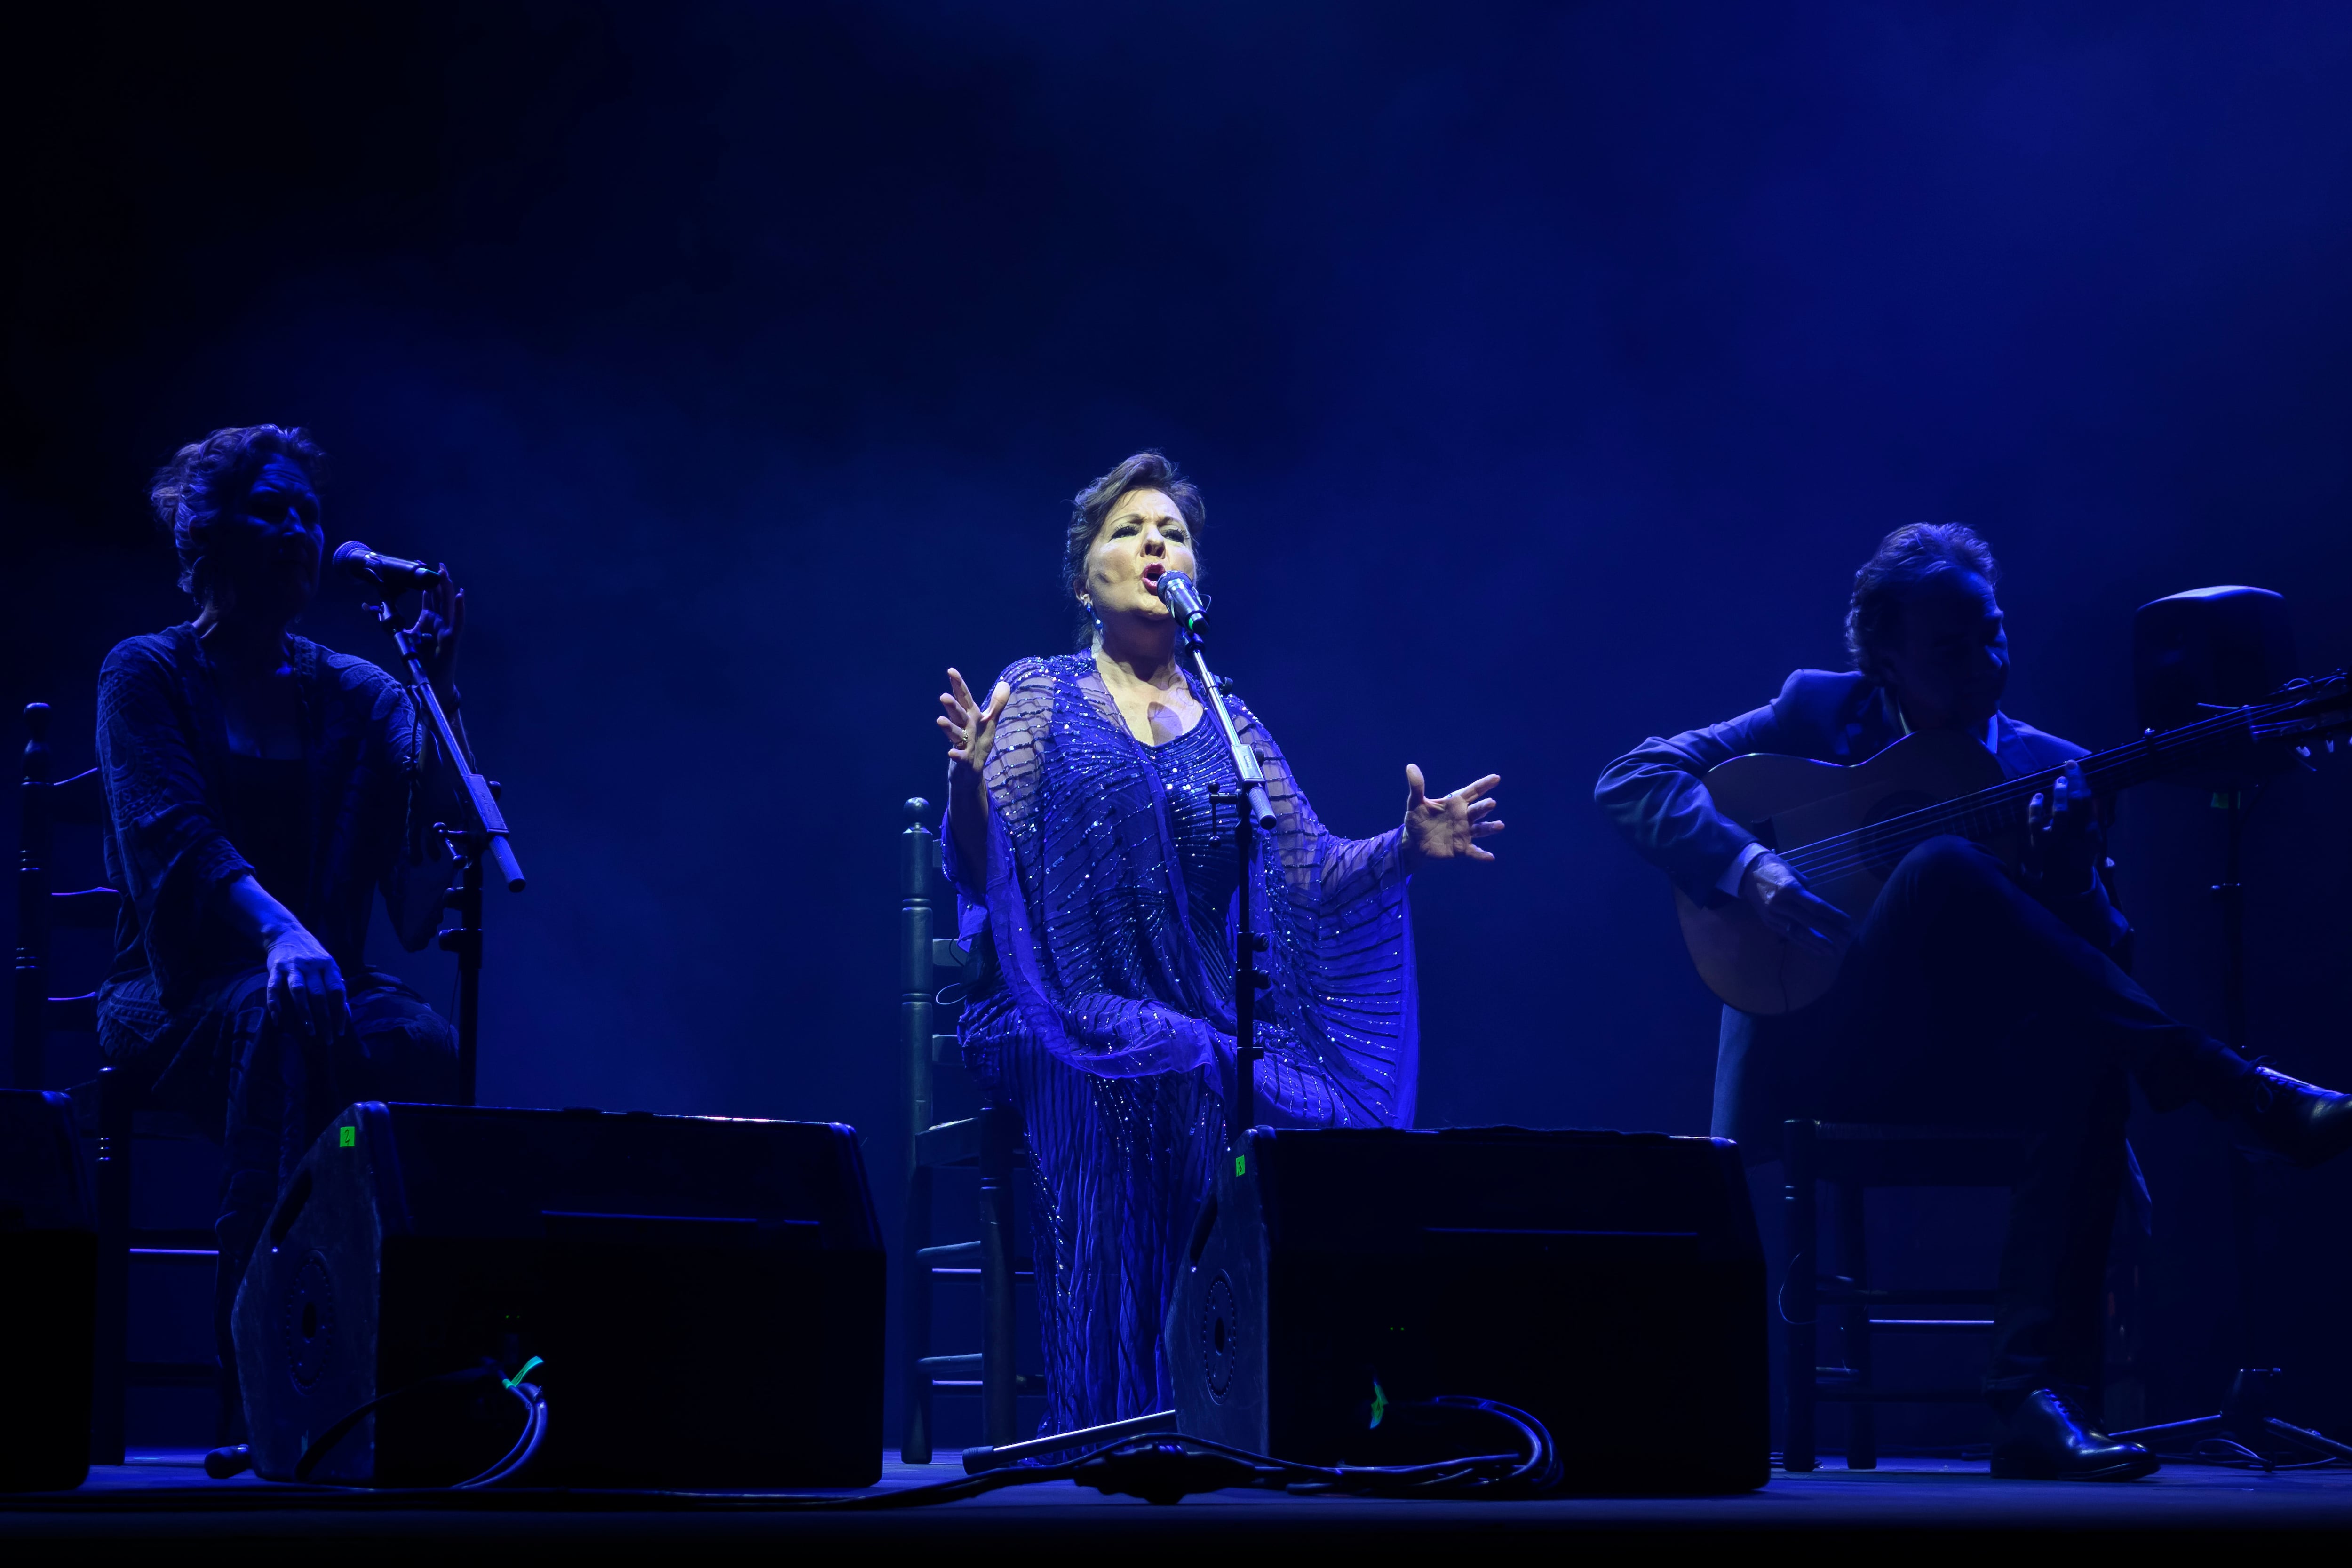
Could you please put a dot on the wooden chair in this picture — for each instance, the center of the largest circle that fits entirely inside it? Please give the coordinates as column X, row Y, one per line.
column 109, row 1107
column 42, row 805
column 989, row 1140
column 1853, row 1159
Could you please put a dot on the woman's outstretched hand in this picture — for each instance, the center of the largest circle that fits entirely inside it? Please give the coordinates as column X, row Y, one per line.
column 970, row 729
column 1449, row 828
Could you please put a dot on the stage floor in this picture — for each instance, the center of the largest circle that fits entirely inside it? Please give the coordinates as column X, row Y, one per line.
column 166, row 1498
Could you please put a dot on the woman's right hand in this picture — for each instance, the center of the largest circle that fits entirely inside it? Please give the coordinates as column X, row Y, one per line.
column 306, row 988
column 971, row 729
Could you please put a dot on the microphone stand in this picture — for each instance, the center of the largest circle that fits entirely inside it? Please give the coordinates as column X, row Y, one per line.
column 1255, row 811
column 2248, row 1420
column 482, row 834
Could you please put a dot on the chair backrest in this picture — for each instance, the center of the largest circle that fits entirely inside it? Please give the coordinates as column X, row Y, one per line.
column 1908, row 1155
column 920, row 955
column 43, row 806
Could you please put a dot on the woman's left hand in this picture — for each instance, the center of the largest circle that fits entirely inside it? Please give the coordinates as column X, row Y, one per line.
column 1449, row 828
column 440, row 616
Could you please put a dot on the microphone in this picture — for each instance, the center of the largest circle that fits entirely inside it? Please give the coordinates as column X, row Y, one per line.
column 386, row 572
column 1184, row 602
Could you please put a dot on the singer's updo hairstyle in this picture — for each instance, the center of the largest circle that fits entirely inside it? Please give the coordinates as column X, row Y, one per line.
column 1092, row 507
column 209, row 476
column 1905, row 559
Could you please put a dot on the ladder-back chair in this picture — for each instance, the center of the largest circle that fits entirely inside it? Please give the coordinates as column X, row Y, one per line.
column 109, row 1107
column 989, row 1140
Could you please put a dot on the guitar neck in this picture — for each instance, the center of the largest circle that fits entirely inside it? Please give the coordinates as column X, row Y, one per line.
column 2153, row 756
column 2002, row 809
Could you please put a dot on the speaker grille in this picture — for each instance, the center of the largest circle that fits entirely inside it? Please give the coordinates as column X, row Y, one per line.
column 1221, row 1335
column 309, row 1321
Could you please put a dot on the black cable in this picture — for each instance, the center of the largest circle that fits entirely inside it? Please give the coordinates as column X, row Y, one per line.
column 2217, row 1451
column 1159, row 1468
column 525, row 1446
column 522, row 1451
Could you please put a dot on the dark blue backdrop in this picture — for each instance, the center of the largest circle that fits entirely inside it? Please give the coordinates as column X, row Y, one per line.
column 1548, row 369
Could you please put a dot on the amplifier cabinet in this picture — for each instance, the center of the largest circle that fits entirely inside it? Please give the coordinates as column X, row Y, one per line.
column 707, row 1295
column 1609, row 1283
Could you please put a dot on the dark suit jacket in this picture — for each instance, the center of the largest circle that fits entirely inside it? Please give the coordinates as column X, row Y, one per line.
column 1654, row 795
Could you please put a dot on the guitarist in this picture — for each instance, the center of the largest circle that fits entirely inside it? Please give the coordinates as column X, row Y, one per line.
column 1966, row 996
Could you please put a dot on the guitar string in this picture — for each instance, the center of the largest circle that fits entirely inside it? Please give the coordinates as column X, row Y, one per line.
column 1989, row 810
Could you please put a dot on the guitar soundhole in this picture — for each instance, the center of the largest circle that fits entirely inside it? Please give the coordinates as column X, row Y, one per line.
column 1883, row 847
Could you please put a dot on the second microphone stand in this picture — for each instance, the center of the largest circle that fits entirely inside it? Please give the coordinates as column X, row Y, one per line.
column 2248, row 1421
column 1256, row 811
column 481, row 836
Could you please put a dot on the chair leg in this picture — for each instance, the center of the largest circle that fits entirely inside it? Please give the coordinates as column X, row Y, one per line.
column 1862, row 1416
column 1000, row 1412
column 915, row 1445
column 1799, row 1303
column 112, row 1345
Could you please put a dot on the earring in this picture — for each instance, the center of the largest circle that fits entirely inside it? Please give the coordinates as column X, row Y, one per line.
column 1088, row 605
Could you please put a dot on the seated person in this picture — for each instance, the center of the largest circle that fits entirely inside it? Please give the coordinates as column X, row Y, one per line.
column 1965, row 996
column 261, row 790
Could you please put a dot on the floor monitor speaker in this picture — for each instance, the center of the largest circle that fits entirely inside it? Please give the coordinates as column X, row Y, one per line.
column 1609, row 1283
column 707, row 1296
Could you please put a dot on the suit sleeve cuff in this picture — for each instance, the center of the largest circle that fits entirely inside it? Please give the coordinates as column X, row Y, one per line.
column 1728, row 883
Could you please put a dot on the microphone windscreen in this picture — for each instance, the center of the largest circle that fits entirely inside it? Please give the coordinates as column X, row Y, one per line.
column 364, row 565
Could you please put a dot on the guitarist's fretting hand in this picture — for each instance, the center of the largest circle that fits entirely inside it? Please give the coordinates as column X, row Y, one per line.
column 1778, row 896
column 2065, row 851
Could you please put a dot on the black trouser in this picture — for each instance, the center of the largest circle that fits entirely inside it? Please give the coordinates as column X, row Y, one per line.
column 220, row 1055
column 1965, row 1002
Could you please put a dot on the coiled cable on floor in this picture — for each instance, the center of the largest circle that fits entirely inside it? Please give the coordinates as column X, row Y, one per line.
column 1160, row 1468
column 524, row 1448
column 1164, row 1468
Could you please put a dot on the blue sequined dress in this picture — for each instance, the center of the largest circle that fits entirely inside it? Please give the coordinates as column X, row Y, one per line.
column 1109, row 900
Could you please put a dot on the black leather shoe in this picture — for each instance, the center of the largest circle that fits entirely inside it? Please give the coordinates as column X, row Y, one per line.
column 2046, row 1441
column 2306, row 1123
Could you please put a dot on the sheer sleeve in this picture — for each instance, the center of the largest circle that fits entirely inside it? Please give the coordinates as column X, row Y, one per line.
column 1084, row 902
column 1010, row 775
column 1345, row 1045
column 1078, row 897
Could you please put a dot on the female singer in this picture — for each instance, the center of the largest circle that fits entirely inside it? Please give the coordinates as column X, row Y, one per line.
column 260, row 791
column 1090, row 858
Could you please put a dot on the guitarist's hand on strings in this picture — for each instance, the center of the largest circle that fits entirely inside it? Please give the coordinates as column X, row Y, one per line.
column 2065, row 850
column 1778, row 897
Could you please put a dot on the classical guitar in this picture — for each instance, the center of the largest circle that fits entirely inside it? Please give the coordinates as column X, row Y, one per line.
column 1842, row 829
